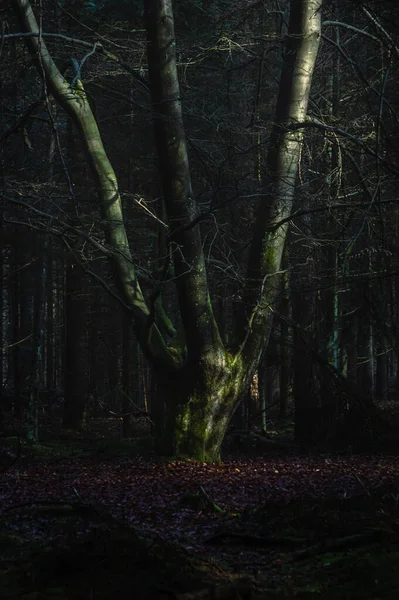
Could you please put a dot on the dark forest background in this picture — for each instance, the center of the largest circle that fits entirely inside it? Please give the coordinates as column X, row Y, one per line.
column 68, row 351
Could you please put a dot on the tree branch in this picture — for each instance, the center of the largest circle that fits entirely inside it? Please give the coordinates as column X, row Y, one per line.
column 76, row 104
column 99, row 48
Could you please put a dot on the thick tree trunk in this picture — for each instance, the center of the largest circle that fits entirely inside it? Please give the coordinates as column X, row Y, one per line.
column 207, row 400
column 200, row 403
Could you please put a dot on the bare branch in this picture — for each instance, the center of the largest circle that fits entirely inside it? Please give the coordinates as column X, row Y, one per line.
column 99, row 48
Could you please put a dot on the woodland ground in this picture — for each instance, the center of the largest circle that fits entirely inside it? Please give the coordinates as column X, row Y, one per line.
column 90, row 517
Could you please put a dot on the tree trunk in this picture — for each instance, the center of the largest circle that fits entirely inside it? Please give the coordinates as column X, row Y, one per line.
column 262, row 397
column 351, row 341
column 381, row 373
column 268, row 242
column 285, row 354
column 307, row 410
column 200, row 402
column 37, row 356
column 22, row 329
column 2, row 336
column 204, row 409
column 50, row 379
column 126, row 377
column 365, row 350
column 76, row 354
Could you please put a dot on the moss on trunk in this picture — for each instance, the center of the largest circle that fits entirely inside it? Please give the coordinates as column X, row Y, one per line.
column 200, row 402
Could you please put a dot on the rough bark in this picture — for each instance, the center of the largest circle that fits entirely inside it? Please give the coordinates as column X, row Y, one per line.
column 200, row 403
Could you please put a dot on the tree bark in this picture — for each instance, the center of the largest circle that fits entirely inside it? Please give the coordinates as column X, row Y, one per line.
column 302, row 42
column 285, row 355
column 201, row 330
column 76, row 351
column 200, row 402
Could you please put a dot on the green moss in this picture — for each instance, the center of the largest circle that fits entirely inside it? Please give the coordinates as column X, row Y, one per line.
column 200, row 413
column 191, row 437
column 162, row 320
column 269, row 256
column 273, row 246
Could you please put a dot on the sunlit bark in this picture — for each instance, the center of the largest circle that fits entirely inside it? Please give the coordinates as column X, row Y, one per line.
column 283, row 159
column 75, row 102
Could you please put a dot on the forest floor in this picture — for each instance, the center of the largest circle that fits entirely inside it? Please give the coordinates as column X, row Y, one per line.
column 97, row 519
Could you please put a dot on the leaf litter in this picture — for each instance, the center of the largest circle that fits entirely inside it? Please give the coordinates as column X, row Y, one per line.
column 248, row 519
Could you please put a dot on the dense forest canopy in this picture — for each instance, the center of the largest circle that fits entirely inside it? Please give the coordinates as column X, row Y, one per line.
column 199, row 216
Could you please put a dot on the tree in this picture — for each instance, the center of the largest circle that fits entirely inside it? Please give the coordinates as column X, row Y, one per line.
column 201, row 380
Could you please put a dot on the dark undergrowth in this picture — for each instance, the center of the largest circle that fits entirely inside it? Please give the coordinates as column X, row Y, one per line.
column 79, row 520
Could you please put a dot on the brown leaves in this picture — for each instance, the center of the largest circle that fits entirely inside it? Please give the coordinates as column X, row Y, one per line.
column 148, row 495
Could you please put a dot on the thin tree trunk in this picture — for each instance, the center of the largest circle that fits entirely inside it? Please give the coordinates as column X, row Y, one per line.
column 381, row 373
column 285, row 354
column 22, row 307
column 307, row 410
column 50, row 324
column 365, row 350
column 351, row 342
column 37, row 357
column 2, row 336
column 76, row 351
column 126, row 377
column 262, row 396
column 201, row 330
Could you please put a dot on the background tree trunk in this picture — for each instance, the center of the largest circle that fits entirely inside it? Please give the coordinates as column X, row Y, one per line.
column 76, row 351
